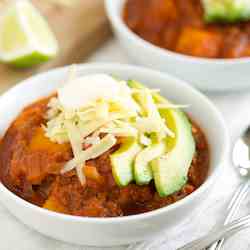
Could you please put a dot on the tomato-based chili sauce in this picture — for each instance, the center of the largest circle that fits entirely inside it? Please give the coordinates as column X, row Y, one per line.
column 179, row 26
column 30, row 167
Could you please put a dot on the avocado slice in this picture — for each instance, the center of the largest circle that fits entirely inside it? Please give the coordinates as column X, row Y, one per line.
column 136, row 85
column 170, row 171
column 226, row 10
column 122, row 161
column 142, row 168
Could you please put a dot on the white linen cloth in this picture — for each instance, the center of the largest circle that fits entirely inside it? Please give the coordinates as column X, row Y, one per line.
column 236, row 110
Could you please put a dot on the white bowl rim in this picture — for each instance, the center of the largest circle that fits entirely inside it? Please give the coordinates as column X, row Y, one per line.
column 117, row 66
column 115, row 17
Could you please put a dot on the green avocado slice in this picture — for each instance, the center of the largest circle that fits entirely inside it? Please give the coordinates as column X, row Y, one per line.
column 226, row 10
column 142, row 169
column 170, row 171
column 122, row 161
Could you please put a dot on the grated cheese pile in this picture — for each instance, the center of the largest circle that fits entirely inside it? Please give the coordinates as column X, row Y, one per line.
column 90, row 106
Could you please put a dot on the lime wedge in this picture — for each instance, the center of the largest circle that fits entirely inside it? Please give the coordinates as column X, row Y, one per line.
column 25, row 36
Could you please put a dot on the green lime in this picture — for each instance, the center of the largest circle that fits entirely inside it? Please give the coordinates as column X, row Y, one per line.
column 25, row 36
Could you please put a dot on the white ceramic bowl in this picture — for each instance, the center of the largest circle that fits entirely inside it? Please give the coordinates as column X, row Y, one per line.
column 115, row 231
column 205, row 74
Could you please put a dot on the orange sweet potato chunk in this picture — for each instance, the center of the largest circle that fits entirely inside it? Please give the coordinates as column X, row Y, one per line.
column 52, row 205
column 92, row 173
column 200, row 43
column 40, row 142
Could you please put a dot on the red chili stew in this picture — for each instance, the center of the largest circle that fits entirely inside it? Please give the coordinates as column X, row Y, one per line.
column 178, row 25
column 30, row 167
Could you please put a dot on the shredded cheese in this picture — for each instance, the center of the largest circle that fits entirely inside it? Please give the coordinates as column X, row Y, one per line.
column 121, row 132
column 91, row 153
column 144, row 140
column 76, row 143
column 153, row 121
column 171, row 106
column 90, row 107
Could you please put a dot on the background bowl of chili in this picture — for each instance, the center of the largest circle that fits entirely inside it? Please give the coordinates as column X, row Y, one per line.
column 127, row 229
column 207, row 74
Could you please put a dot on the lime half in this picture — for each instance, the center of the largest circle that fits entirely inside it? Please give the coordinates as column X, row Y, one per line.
column 25, row 36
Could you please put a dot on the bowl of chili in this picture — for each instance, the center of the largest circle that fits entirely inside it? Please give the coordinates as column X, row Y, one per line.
column 22, row 122
column 172, row 36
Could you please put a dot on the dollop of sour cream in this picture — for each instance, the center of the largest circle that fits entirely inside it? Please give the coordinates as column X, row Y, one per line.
column 81, row 91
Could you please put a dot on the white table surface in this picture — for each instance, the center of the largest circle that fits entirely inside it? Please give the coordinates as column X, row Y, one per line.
column 236, row 110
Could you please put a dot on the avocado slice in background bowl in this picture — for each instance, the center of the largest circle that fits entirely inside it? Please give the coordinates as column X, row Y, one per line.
column 227, row 11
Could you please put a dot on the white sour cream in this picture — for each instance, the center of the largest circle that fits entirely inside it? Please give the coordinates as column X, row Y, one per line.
column 81, row 91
